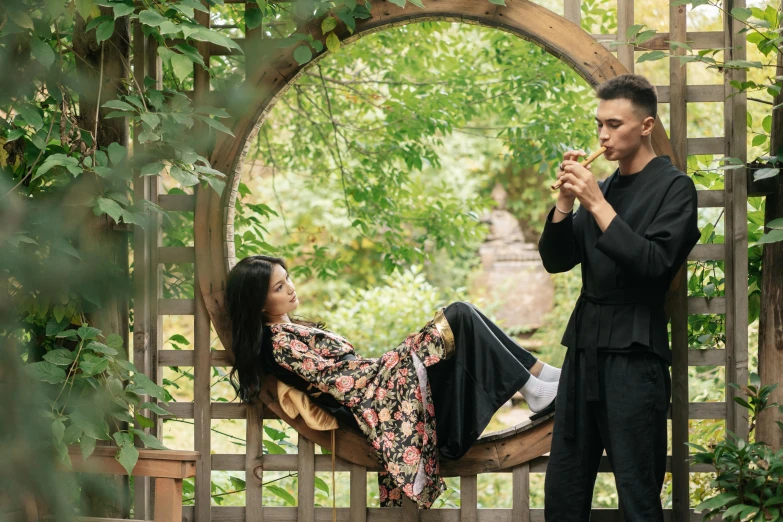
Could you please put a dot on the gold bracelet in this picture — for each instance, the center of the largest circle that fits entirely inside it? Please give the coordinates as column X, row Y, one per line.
column 564, row 213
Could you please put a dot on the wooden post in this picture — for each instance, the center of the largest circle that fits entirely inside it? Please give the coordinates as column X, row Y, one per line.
column 253, row 458
column 678, row 298
column 736, row 227
column 202, row 418
column 305, row 511
column 168, row 500
column 520, row 482
column 141, row 270
column 625, row 53
column 358, row 493
column 468, row 498
column 770, row 320
column 410, row 510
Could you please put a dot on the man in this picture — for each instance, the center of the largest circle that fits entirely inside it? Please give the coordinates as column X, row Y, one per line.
column 631, row 234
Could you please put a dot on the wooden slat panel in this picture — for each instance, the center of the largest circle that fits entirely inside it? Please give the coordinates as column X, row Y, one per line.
column 324, row 514
column 358, row 492
column 706, row 146
column 177, row 255
column 703, row 305
column 305, row 509
column 468, row 495
column 177, row 202
column 697, row 40
column 520, row 494
column 176, row 307
column 709, row 357
column 707, row 410
column 710, row 198
column 188, row 358
column 693, row 93
column 707, row 252
column 220, row 410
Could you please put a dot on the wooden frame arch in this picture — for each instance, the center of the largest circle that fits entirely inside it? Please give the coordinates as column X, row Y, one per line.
column 277, row 69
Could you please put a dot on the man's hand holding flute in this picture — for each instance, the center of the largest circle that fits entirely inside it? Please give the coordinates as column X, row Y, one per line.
column 578, row 182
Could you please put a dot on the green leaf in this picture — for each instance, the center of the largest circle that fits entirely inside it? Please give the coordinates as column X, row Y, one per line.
column 253, row 17
column 182, row 66
column 741, row 13
column 766, row 123
column 328, row 24
column 144, row 422
column 110, row 207
column 178, row 338
column 116, row 153
column 60, row 357
column 45, row 371
column 86, row 8
column 148, row 386
column 277, row 490
column 88, row 332
column 185, row 177
column 42, row 52
column 121, row 10
column 58, row 430
column 191, row 52
column 87, row 445
column 651, row 56
column 272, row 448
column 773, row 236
column 238, row 483
column 150, row 441
column 303, row 54
column 148, row 136
column 31, row 115
column 216, row 125
column 716, row 502
column 332, row 42
column 498, row 2
column 151, row 18
column 104, row 31
column 776, row 223
column 320, row 484
column 128, row 454
column 101, row 348
column 765, row 173
column 119, row 105
column 14, row 134
column 759, row 139
column 206, row 35
column 154, row 408
column 20, row 18
column 151, row 169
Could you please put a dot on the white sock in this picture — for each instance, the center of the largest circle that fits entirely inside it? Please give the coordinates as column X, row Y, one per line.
column 538, row 394
column 549, row 373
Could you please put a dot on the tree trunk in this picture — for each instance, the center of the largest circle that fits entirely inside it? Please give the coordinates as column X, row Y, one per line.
column 104, row 68
column 771, row 314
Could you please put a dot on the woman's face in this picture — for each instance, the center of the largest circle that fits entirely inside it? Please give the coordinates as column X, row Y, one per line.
column 281, row 298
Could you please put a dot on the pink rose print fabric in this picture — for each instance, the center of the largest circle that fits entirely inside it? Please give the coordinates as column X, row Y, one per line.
column 383, row 395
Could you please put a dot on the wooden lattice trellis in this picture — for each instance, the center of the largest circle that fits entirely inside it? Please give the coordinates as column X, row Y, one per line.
column 150, row 308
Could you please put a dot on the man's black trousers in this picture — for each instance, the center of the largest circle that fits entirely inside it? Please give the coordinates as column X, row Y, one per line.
column 629, row 422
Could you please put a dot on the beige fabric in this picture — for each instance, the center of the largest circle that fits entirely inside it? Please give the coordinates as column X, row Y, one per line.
column 295, row 402
column 445, row 332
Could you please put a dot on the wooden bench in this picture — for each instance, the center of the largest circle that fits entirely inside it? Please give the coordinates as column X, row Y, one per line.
column 168, row 467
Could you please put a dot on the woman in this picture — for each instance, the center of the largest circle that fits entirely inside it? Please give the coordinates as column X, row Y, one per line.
column 433, row 394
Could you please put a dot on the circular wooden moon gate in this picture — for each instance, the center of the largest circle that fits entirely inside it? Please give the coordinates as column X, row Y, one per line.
column 214, row 234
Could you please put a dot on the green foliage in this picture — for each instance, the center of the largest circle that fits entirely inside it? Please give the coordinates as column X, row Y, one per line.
column 749, row 478
column 378, row 318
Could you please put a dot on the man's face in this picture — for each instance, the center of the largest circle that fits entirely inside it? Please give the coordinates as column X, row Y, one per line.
column 621, row 128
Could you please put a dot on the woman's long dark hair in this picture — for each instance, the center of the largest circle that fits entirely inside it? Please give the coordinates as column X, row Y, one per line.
column 246, row 291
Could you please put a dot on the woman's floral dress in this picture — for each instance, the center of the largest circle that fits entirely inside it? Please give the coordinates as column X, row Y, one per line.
column 393, row 410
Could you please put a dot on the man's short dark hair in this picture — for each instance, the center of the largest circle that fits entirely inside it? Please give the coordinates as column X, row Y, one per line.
column 632, row 87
